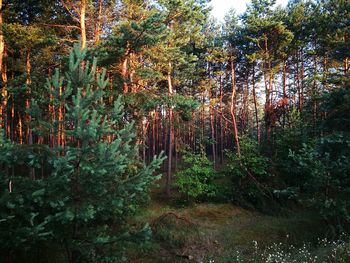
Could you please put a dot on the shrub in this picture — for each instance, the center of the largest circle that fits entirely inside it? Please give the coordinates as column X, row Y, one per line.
column 249, row 174
column 196, row 181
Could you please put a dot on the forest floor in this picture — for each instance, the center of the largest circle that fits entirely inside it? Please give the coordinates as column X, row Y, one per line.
column 212, row 232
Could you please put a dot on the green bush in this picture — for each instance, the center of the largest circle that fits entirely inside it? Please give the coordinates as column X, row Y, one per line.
column 196, row 181
column 325, row 163
column 249, row 174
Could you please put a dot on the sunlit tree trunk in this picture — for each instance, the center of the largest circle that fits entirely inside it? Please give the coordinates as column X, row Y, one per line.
column 3, row 102
column 221, row 125
column 211, row 119
column 256, row 107
column 233, row 106
column 82, row 23
column 170, row 134
column 98, row 24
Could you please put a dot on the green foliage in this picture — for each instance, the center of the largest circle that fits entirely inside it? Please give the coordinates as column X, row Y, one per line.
column 291, row 137
column 196, row 181
column 250, row 158
column 249, row 174
column 84, row 198
column 325, row 164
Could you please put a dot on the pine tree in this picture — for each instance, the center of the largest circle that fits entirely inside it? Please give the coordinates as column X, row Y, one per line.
column 92, row 185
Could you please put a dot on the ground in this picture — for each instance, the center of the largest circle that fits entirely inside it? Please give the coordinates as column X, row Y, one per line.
column 212, row 232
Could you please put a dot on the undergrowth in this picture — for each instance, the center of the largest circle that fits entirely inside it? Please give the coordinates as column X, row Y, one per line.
column 324, row 251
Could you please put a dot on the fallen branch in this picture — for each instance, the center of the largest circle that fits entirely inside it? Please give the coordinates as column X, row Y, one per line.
column 172, row 214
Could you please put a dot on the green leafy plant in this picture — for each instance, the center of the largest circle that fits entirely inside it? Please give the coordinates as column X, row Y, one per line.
column 196, row 181
column 249, row 174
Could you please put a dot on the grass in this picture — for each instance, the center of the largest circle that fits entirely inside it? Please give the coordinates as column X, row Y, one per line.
column 207, row 231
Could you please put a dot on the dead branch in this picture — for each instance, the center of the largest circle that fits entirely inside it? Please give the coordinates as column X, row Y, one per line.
column 172, row 214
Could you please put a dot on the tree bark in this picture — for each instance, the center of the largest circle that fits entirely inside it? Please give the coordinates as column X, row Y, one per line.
column 221, row 125
column 211, row 117
column 98, row 24
column 233, row 107
column 256, row 107
column 3, row 73
column 82, row 23
column 170, row 134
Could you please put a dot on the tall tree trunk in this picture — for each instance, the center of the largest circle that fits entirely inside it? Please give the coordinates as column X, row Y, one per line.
column 212, row 129
column 301, row 77
column 211, row 118
column 125, row 69
column 346, row 65
column 28, row 82
column 268, row 76
column 284, row 84
column 3, row 73
column 171, row 134
column 61, row 128
column 313, row 95
column 28, row 116
column 298, row 82
column 98, row 24
column 256, row 107
column 245, row 111
column 82, row 23
column 233, row 107
column 221, row 125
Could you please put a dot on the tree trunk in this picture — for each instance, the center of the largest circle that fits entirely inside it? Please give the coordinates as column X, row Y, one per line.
column 284, row 80
column 125, row 69
column 82, row 23
column 256, row 107
column 233, row 107
column 171, row 135
column 346, row 65
column 221, row 125
column 98, row 24
column 28, row 116
column 211, row 117
column 3, row 102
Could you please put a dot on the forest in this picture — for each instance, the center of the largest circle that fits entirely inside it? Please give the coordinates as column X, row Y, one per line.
column 149, row 131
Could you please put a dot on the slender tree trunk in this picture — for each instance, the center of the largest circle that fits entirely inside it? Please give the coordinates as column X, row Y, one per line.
column 203, row 118
column 221, row 125
column 301, row 77
column 284, row 80
column 125, row 69
column 268, row 88
column 61, row 130
column 98, row 24
column 298, row 82
column 256, row 107
column 211, row 113
column 233, row 107
column 244, row 112
column 4, row 95
column 314, row 91
column 211, row 119
column 28, row 116
column 171, row 134
column 28, row 82
column 82, row 23
column 3, row 73
column 154, row 136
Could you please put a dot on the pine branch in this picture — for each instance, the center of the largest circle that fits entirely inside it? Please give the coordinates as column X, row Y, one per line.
column 62, row 26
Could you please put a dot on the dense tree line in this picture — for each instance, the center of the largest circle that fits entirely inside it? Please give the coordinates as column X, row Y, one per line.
column 262, row 97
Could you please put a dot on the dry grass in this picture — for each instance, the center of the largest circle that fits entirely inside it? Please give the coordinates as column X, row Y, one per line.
column 202, row 231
